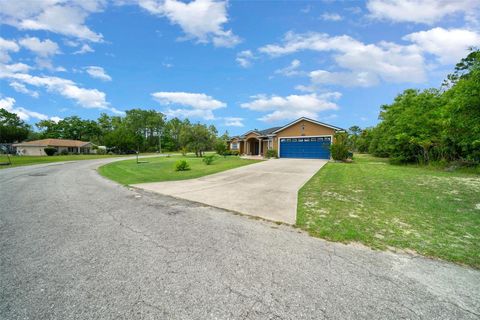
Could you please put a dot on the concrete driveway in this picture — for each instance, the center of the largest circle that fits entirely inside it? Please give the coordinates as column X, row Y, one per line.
column 267, row 189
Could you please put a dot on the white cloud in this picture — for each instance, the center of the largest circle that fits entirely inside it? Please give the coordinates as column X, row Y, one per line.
column 198, row 104
column 294, row 42
column 331, row 17
column 98, row 72
column 20, row 87
column 44, row 48
column 291, row 69
column 85, row 48
column 292, row 106
column 87, row 98
column 16, row 67
column 8, row 104
column 56, row 119
column 244, row 58
column 58, row 16
column 189, row 113
column 421, row 11
column 386, row 60
column 7, row 46
column 347, row 79
column 202, row 20
column 354, row 10
column 233, row 122
column 448, row 45
column 45, row 63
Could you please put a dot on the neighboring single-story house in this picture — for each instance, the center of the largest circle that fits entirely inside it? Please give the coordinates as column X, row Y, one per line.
column 302, row 138
column 35, row 148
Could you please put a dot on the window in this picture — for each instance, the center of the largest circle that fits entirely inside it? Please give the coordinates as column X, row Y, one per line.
column 294, row 140
column 234, row 146
column 313, row 139
column 306, row 139
column 300, row 140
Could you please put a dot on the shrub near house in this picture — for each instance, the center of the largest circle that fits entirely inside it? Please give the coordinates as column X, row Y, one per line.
column 339, row 149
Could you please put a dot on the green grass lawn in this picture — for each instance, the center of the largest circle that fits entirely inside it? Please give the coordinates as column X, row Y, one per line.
column 432, row 212
column 162, row 169
column 29, row 160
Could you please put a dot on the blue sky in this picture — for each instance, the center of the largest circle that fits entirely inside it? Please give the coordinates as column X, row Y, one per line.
column 236, row 64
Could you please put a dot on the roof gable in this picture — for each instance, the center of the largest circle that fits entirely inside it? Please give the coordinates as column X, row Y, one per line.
column 309, row 120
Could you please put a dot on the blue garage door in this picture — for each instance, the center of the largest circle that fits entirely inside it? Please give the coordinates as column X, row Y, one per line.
column 309, row 148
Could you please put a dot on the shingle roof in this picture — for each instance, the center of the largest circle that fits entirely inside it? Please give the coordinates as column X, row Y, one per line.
column 261, row 132
column 54, row 143
column 268, row 131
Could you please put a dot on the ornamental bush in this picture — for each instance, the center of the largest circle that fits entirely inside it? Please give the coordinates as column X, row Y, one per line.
column 272, row 153
column 339, row 149
column 209, row 159
column 182, row 165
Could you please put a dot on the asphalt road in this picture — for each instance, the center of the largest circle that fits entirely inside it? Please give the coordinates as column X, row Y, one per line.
column 76, row 246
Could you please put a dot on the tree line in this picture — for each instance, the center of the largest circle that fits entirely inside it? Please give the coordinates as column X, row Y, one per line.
column 431, row 125
column 139, row 130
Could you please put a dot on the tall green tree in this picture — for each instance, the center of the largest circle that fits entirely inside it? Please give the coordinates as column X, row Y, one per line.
column 12, row 128
column 198, row 138
column 421, row 126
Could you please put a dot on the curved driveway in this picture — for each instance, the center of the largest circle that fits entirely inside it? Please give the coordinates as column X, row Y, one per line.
column 76, row 246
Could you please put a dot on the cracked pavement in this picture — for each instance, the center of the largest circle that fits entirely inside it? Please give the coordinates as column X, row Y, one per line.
column 77, row 246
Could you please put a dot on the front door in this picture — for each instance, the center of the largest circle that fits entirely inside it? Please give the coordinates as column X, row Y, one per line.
column 256, row 147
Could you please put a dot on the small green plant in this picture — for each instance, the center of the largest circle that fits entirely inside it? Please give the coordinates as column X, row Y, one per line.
column 272, row 153
column 182, row 165
column 64, row 152
column 209, row 159
column 50, row 151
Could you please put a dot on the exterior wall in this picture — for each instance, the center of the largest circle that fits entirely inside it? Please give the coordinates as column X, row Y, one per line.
column 31, row 151
column 309, row 129
column 264, row 147
column 39, row 150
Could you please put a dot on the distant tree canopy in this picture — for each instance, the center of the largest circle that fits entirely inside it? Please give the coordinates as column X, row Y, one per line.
column 433, row 124
column 139, row 130
column 12, row 128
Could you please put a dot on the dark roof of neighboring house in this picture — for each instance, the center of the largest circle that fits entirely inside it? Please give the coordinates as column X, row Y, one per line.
column 53, row 143
column 268, row 131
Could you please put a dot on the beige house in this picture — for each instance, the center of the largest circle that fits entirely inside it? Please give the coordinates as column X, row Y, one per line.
column 36, row 148
column 302, row 138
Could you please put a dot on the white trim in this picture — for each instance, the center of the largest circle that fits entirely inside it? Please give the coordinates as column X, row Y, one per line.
column 310, row 120
column 297, row 137
column 251, row 131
